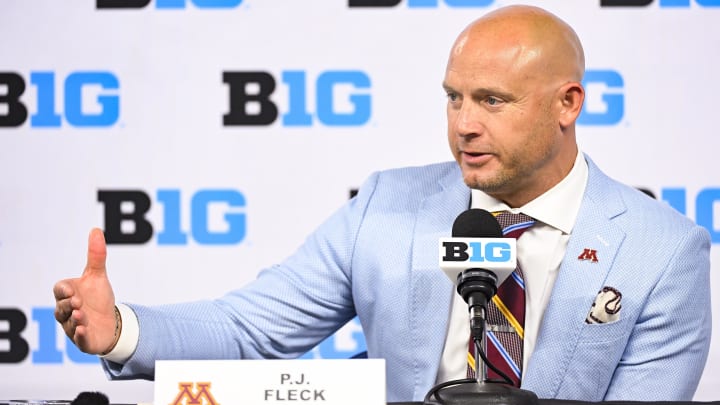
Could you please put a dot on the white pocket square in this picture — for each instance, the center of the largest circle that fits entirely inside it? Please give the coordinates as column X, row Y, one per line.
column 606, row 307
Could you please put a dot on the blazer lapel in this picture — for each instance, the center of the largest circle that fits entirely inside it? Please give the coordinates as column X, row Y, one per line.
column 432, row 291
column 578, row 282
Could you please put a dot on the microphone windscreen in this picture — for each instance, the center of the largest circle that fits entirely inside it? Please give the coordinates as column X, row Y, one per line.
column 476, row 223
column 91, row 398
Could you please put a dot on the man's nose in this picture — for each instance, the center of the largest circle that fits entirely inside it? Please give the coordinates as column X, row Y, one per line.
column 469, row 120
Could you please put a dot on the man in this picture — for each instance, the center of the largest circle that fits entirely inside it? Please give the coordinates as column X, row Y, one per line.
column 513, row 83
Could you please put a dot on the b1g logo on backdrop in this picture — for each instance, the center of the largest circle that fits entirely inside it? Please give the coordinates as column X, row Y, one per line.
column 420, row 3
column 15, row 344
column 604, row 98
column 342, row 98
column 165, row 4
column 662, row 3
column 88, row 99
column 215, row 216
column 347, row 342
column 705, row 202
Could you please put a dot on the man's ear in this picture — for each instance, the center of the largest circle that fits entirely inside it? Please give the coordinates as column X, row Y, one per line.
column 571, row 96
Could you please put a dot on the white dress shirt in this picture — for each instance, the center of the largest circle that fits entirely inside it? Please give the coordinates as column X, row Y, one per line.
column 540, row 251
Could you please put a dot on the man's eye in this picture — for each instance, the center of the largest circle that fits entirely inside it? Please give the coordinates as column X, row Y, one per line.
column 493, row 101
column 452, row 96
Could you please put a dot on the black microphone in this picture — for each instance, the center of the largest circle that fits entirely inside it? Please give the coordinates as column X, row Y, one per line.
column 477, row 285
column 478, row 259
column 91, row 398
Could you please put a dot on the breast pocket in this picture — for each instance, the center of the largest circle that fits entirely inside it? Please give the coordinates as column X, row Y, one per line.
column 605, row 332
column 595, row 358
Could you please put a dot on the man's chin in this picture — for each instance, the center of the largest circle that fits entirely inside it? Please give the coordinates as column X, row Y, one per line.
column 477, row 182
column 484, row 186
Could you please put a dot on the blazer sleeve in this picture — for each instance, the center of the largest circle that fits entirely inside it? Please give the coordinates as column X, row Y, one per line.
column 287, row 310
column 668, row 346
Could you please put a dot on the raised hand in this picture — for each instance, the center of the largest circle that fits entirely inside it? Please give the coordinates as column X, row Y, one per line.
column 85, row 306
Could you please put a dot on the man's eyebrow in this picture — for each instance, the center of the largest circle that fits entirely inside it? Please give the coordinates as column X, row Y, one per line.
column 484, row 91
column 492, row 91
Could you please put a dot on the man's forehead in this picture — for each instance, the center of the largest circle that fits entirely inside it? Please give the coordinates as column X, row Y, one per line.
column 480, row 82
column 476, row 58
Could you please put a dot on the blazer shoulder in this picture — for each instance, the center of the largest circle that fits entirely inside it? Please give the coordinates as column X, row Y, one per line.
column 417, row 179
column 632, row 208
column 419, row 175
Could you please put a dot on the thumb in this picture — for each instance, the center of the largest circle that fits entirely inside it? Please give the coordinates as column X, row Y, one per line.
column 96, row 254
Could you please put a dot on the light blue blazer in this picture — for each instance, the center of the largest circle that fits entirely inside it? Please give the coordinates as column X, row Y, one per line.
column 377, row 258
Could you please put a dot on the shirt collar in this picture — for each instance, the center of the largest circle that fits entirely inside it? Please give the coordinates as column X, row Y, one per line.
column 557, row 207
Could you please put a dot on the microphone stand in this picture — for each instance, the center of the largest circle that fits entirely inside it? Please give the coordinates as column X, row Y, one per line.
column 480, row 372
column 477, row 287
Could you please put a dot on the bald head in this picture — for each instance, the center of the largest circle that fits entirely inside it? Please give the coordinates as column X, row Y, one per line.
column 514, row 87
column 528, row 37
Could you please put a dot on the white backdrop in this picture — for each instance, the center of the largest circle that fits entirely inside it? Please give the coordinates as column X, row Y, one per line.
column 134, row 98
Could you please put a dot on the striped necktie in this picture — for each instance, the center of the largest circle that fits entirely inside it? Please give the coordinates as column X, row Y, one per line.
column 506, row 313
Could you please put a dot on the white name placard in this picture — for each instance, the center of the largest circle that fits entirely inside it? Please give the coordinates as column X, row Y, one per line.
column 270, row 382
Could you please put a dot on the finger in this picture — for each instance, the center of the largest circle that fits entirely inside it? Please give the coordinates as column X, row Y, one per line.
column 97, row 252
column 72, row 325
column 66, row 317
column 78, row 317
column 80, row 333
column 80, row 337
column 62, row 290
column 63, row 310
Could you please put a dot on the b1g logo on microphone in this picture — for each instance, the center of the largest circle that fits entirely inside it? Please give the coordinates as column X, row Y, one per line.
column 663, row 3
column 341, row 98
column 166, row 4
column 420, row 3
column 604, row 99
column 488, row 253
column 216, row 217
column 88, row 99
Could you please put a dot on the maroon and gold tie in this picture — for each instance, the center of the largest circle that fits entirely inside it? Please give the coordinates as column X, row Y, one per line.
column 506, row 313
